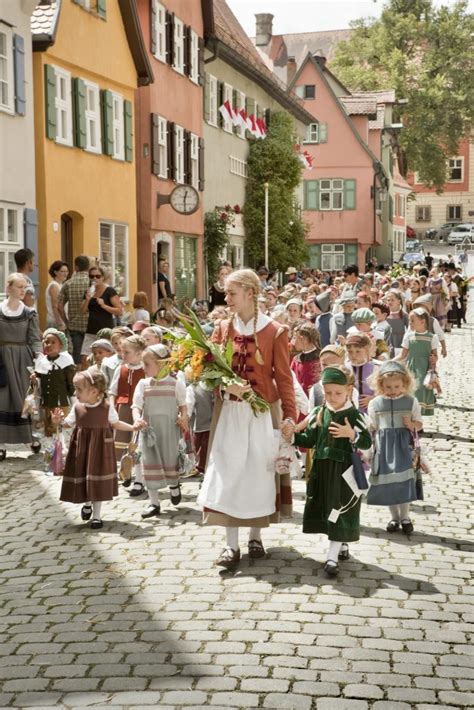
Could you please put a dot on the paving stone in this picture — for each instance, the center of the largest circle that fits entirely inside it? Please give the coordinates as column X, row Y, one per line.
column 280, row 700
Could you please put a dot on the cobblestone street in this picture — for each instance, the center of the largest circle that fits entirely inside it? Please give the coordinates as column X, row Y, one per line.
column 136, row 615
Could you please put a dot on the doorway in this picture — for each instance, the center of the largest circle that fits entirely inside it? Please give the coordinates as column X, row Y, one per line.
column 67, row 253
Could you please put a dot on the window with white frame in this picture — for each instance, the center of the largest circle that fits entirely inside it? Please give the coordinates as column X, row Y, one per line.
column 178, row 59
column 241, row 105
column 159, row 30
column 114, row 254
column 163, row 146
column 93, row 131
column 194, row 70
column 6, row 70
column 454, row 212
column 332, row 256
column 423, row 213
column 212, row 98
column 63, row 107
column 118, row 127
column 11, row 239
column 195, row 161
column 237, row 166
column 228, row 125
column 331, row 194
column 312, row 134
column 179, row 153
column 455, row 169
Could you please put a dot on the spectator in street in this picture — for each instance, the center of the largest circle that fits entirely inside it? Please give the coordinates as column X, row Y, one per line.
column 351, row 278
column 429, row 260
column 72, row 294
column 141, row 307
column 263, row 274
column 216, row 292
column 164, row 286
column 59, row 272
column 24, row 260
column 101, row 302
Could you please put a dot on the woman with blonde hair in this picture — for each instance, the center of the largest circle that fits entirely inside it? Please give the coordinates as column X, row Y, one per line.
column 240, row 488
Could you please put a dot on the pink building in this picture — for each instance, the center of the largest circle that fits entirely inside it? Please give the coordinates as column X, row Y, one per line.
column 342, row 192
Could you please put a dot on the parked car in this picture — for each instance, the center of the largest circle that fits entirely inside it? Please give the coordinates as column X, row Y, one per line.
column 441, row 233
column 410, row 258
column 413, row 245
column 411, row 234
column 460, row 233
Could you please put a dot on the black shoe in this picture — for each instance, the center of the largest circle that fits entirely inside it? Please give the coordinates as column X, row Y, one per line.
column 36, row 446
column 175, row 494
column 127, row 482
column 407, row 527
column 393, row 526
column 137, row 490
column 151, row 512
column 344, row 553
column 97, row 524
column 331, row 568
column 3, row 454
column 86, row 512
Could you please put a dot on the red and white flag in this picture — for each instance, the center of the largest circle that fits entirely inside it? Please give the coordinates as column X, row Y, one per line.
column 262, row 129
column 252, row 125
column 242, row 118
column 226, row 111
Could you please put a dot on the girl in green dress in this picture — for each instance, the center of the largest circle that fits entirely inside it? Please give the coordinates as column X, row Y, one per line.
column 420, row 350
column 333, row 430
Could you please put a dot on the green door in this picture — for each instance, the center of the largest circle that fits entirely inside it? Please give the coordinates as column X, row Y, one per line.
column 185, row 269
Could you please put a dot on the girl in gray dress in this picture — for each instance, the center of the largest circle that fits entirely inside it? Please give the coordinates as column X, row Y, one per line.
column 20, row 340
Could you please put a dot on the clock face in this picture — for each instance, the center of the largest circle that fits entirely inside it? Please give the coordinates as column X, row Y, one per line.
column 184, row 199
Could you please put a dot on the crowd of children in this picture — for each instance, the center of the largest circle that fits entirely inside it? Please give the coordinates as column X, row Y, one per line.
column 347, row 364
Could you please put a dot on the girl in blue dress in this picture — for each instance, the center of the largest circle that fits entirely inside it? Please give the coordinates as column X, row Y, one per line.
column 394, row 414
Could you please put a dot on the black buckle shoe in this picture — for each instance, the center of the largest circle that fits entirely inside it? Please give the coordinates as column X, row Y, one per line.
column 137, row 490
column 175, row 494
column 151, row 512
column 97, row 524
column 407, row 527
column 344, row 553
column 86, row 512
column 331, row 568
column 393, row 526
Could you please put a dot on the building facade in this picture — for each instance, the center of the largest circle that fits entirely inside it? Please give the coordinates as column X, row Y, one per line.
column 88, row 61
column 18, row 219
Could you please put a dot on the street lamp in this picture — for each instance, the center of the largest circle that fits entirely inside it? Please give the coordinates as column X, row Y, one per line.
column 265, row 185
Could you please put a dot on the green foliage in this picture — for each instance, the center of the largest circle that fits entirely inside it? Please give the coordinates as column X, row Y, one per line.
column 425, row 54
column 216, row 235
column 273, row 160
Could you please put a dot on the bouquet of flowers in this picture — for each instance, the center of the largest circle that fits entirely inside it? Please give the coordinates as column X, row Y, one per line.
column 205, row 362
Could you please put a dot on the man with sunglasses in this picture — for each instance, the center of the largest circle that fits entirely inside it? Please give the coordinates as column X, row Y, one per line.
column 73, row 293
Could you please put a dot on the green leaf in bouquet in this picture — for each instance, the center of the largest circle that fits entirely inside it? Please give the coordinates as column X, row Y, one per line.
column 229, row 352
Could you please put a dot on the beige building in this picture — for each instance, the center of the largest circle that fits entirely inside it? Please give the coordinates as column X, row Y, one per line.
column 18, row 222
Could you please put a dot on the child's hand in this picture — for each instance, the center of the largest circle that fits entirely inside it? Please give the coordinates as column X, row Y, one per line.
column 364, row 400
column 302, row 425
column 342, row 431
column 33, row 378
column 287, row 430
column 139, row 425
column 57, row 415
column 183, row 423
column 409, row 423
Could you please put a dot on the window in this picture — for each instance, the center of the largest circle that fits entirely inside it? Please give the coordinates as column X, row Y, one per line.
column 238, row 167
column 399, row 205
column 227, row 96
column 159, row 31
column 241, row 105
column 332, row 256
column 331, row 194
column 114, row 254
column 179, row 153
column 212, row 99
column 454, row 212
column 6, row 71
column 11, row 238
column 312, row 135
column 308, row 91
column 423, row 213
column 93, row 132
column 178, row 60
column 63, row 107
column 455, row 169
column 118, row 126
column 185, row 267
column 163, row 146
column 399, row 241
column 194, row 52
column 194, row 147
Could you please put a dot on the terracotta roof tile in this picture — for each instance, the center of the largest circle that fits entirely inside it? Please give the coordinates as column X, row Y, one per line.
column 356, row 105
column 386, row 96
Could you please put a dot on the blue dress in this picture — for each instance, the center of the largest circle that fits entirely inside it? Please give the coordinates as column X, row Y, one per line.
column 392, row 479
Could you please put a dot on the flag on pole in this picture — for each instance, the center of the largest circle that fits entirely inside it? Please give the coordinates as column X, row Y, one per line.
column 226, row 111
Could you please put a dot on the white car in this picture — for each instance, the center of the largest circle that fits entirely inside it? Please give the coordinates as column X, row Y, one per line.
column 460, row 233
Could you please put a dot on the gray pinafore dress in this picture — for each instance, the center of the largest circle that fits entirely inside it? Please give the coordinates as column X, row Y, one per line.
column 159, row 443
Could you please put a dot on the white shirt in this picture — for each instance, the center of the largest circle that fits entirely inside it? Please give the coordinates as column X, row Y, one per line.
column 139, row 395
column 70, row 420
column 409, row 336
column 113, row 389
column 9, row 312
column 415, row 412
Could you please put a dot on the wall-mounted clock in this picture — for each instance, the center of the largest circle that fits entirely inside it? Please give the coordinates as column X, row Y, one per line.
column 184, row 199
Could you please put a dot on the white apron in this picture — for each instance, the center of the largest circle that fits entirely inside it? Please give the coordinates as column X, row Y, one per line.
column 240, row 475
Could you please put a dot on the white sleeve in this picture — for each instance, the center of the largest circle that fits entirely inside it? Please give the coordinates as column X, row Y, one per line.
column 438, row 330
column 113, row 389
column 355, row 397
column 435, row 342
column 180, row 393
column 372, row 417
column 302, row 403
column 416, row 411
column 406, row 339
column 190, row 400
column 113, row 416
column 139, row 395
column 70, row 420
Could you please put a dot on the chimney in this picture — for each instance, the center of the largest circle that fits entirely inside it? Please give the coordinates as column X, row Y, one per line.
column 290, row 70
column 320, row 59
column 264, row 29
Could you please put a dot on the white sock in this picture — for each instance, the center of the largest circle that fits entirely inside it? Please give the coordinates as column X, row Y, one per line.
column 138, row 473
column 395, row 512
column 334, row 549
column 232, row 538
column 154, row 497
column 255, row 534
column 96, row 508
column 404, row 511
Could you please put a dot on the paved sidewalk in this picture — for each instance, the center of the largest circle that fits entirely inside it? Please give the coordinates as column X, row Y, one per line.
column 136, row 616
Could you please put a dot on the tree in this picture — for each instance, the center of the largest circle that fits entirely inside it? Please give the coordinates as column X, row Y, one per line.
column 216, row 236
column 273, row 160
column 425, row 54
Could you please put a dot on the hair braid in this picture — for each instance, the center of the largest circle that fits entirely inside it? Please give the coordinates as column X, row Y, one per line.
column 258, row 354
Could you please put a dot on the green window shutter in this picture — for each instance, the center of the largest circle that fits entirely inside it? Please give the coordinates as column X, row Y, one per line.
column 390, row 208
column 351, row 254
column 128, row 120
column 268, row 117
column 311, row 195
column 220, row 101
column 153, row 22
column 50, row 101
column 315, row 256
column 207, row 96
column 323, row 133
column 202, row 71
column 102, row 9
column 349, row 195
column 107, row 122
column 19, row 74
column 79, row 104
column 236, row 129
column 185, row 268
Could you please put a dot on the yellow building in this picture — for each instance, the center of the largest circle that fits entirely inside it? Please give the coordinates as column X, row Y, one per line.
column 88, row 60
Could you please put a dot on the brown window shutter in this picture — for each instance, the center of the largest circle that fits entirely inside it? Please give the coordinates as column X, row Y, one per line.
column 171, row 151
column 187, row 49
column 187, row 157
column 201, row 164
column 170, row 38
column 153, row 27
column 155, row 147
column 220, row 100
column 234, row 106
column 201, row 65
